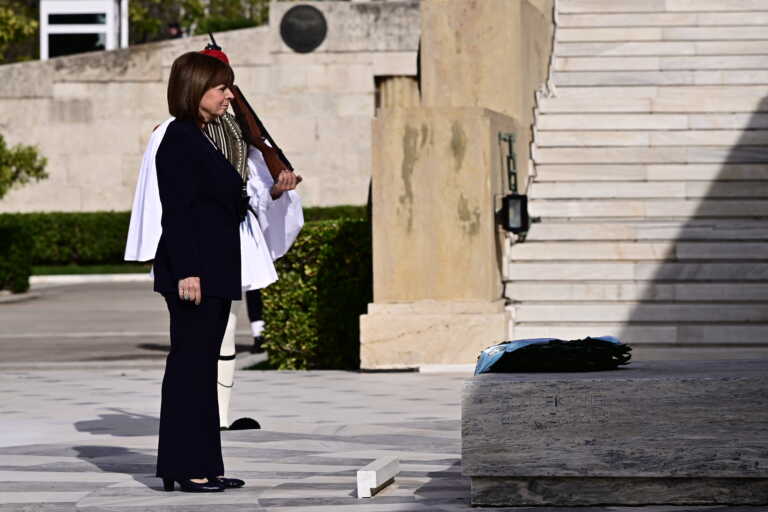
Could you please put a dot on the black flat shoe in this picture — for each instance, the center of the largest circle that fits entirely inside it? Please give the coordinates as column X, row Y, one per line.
column 230, row 483
column 257, row 342
column 188, row 485
column 244, row 424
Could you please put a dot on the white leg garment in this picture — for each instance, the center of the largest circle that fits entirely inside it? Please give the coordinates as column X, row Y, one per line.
column 226, row 373
column 257, row 328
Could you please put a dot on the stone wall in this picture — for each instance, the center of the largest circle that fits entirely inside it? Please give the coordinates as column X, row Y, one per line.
column 91, row 114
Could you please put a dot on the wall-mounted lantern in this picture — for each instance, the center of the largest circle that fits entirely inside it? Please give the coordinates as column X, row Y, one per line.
column 513, row 215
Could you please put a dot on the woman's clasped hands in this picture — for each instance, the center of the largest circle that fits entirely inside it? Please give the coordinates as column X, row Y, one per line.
column 189, row 289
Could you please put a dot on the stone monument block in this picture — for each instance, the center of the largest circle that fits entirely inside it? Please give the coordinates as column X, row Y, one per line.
column 438, row 176
column 658, row 432
column 409, row 335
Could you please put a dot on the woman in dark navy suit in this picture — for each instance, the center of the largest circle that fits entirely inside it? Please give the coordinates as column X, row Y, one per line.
column 197, row 270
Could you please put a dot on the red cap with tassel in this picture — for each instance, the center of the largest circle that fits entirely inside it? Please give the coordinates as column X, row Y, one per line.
column 214, row 50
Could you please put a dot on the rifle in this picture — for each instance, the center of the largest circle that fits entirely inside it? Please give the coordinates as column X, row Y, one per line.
column 256, row 134
column 254, row 131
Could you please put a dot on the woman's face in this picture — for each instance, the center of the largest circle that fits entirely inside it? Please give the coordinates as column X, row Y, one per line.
column 215, row 102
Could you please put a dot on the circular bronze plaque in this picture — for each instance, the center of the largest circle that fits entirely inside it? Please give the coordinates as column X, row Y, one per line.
column 303, row 28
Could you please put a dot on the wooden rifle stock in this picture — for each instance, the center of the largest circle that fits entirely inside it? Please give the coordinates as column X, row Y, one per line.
column 256, row 134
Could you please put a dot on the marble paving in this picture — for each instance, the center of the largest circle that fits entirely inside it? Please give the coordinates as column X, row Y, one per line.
column 85, row 440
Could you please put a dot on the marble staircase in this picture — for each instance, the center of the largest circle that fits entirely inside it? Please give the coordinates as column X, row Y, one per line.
column 651, row 177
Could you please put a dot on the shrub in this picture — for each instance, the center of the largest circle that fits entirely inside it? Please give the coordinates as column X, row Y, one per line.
column 19, row 165
column 312, row 312
column 82, row 238
column 314, row 213
column 98, row 238
column 15, row 265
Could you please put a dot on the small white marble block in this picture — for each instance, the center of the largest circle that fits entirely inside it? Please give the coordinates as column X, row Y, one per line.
column 377, row 475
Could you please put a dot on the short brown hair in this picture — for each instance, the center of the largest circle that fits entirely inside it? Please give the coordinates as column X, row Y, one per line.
column 192, row 74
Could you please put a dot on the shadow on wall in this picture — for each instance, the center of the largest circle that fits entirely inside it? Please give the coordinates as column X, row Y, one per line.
column 711, row 287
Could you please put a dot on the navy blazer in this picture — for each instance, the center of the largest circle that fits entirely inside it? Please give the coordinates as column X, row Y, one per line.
column 200, row 194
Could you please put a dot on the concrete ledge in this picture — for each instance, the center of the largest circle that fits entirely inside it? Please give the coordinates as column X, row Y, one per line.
column 447, row 368
column 64, row 279
column 10, row 298
column 377, row 475
column 658, row 432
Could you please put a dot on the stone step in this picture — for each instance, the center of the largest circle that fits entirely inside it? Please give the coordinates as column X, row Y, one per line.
column 657, row 48
column 656, row 6
column 613, row 122
column 672, row 92
column 702, row 99
column 644, row 105
column 669, row 251
column 693, row 334
column 690, row 138
column 524, row 291
column 652, row 172
column 651, row 155
column 640, row 271
column 690, row 229
column 613, row 78
column 647, row 208
column 639, row 33
column 663, row 19
column 622, row 312
column 684, row 63
column 654, row 190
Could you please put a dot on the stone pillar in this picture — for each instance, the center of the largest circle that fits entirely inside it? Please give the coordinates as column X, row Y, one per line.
column 436, row 246
column 488, row 53
column 438, row 175
column 398, row 92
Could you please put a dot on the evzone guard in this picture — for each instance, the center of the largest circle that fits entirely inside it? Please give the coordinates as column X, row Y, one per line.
column 272, row 213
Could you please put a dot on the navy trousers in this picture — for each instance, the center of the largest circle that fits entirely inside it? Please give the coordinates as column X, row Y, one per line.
column 190, row 442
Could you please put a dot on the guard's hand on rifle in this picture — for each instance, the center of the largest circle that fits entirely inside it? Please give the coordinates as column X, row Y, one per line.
column 256, row 135
column 286, row 180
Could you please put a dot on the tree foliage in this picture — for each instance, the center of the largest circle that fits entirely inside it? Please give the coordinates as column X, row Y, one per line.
column 19, row 165
column 148, row 21
column 149, row 18
column 17, row 30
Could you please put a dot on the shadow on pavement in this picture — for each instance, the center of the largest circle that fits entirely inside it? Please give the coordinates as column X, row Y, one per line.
column 121, row 424
column 446, row 486
column 116, row 459
column 166, row 347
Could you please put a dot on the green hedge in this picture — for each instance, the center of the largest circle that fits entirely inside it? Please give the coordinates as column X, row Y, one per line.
column 60, row 238
column 312, row 312
column 314, row 213
column 98, row 238
column 15, row 266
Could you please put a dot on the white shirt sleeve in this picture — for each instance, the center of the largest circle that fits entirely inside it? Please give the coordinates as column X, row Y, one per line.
column 280, row 219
